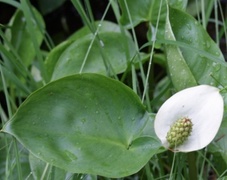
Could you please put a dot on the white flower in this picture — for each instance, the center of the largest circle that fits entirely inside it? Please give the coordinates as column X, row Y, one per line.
column 203, row 105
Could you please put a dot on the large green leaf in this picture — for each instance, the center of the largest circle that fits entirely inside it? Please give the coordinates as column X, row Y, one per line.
column 86, row 123
column 54, row 55
column 79, row 54
column 114, row 60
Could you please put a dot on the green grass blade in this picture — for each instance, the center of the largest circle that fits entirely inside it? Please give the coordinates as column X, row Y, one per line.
column 27, row 10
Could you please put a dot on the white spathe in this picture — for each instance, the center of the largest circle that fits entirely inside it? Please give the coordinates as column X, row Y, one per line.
column 203, row 105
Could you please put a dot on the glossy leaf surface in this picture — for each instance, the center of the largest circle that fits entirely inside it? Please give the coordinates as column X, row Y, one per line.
column 114, row 61
column 86, row 123
column 199, row 51
column 180, row 73
column 202, row 56
column 109, row 55
column 55, row 53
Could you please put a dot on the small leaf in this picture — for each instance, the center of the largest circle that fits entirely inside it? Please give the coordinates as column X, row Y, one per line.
column 204, row 57
column 86, row 123
column 180, row 73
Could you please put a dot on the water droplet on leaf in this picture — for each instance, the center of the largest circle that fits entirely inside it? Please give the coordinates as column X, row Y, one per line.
column 208, row 44
column 70, row 155
column 101, row 43
column 83, row 120
column 189, row 26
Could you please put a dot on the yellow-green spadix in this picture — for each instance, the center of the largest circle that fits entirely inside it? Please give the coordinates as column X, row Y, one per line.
column 201, row 107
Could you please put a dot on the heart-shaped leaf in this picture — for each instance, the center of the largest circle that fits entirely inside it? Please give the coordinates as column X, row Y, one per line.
column 86, row 123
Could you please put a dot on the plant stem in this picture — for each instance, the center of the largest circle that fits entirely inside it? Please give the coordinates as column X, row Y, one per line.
column 192, row 165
